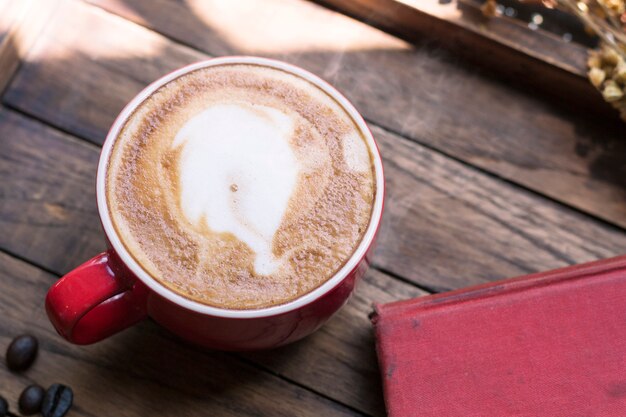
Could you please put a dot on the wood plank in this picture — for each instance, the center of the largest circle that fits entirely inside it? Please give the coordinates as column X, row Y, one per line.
column 89, row 115
column 20, row 24
column 421, row 92
column 10, row 19
column 533, row 57
column 408, row 247
column 143, row 371
column 44, row 168
column 446, row 225
column 48, row 208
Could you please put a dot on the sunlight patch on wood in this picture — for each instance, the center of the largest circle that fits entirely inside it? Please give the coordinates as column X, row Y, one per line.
column 261, row 27
column 443, row 10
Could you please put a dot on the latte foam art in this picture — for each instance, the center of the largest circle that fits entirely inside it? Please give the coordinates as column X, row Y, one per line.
column 237, row 173
column 240, row 186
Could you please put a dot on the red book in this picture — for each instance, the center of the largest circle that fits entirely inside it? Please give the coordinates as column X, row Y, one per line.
column 544, row 345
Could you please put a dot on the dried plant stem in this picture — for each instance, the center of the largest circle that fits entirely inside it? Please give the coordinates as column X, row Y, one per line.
column 608, row 33
column 607, row 64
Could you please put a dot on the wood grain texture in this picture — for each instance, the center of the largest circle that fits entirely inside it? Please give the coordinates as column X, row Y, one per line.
column 449, row 226
column 446, row 226
column 48, row 215
column 143, row 371
column 48, row 208
column 20, row 24
column 503, row 43
column 421, row 92
column 10, row 20
column 442, row 229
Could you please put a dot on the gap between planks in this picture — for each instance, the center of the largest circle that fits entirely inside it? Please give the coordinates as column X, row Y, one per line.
column 93, row 145
column 490, row 173
column 239, row 357
column 393, row 132
column 495, row 175
column 586, row 185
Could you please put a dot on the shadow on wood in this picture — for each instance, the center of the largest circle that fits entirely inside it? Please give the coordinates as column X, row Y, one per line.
column 451, row 221
column 141, row 371
column 422, row 92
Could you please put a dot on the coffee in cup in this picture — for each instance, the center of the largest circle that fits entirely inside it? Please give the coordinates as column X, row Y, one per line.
column 240, row 186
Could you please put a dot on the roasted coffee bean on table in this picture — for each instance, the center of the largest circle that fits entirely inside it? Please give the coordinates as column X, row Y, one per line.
column 54, row 402
column 4, row 407
column 21, row 353
column 57, row 401
column 31, row 399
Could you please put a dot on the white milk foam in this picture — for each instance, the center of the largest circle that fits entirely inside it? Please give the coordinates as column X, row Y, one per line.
column 237, row 172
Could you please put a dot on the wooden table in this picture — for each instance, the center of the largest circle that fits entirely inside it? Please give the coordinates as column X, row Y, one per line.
column 486, row 180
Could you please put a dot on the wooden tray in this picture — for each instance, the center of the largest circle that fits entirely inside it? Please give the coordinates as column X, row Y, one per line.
column 521, row 55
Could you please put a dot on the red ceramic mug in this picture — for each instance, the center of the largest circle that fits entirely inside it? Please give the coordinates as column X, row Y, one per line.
column 112, row 292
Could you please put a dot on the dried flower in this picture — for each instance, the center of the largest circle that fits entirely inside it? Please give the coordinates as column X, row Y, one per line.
column 612, row 92
column 489, row 8
column 615, row 7
column 596, row 76
column 619, row 72
column 607, row 65
column 607, row 72
column 610, row 56
column 594, row 61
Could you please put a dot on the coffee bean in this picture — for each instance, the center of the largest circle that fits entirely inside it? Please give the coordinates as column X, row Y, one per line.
column 31, row 399
column 22, row 352
column 57, row 401
column 4, row 407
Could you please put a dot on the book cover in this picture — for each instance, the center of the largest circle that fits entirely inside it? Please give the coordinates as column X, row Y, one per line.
column 549, row 344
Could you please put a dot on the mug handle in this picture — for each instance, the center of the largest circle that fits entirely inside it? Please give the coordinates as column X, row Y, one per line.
column 95, row 301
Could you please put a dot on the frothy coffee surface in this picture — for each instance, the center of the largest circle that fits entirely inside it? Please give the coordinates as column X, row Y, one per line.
column 240, row 186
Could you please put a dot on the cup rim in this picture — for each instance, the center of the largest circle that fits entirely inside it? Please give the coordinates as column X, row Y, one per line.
column 162, row 290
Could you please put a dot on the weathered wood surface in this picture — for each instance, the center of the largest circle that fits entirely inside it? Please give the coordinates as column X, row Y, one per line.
column 460, row 24
column 447, row 224
column 48, row 216
column 20, row 24
column 422, row 93
column 48, row 211
column 146, row 371
column 409, row 244
column 443, row 229
column 10, row 19
column 535, row 59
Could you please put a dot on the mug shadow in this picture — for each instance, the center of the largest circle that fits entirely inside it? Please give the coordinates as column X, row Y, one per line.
column 161, row 372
